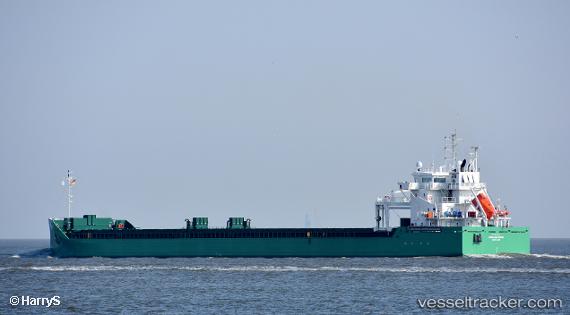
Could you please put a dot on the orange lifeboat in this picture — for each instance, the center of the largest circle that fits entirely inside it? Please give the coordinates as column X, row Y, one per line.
column 485, row 202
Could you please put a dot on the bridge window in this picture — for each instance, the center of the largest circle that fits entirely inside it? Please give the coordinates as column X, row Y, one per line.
column 439, row 179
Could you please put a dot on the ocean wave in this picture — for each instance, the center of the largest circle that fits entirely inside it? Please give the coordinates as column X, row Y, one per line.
column 44, row 252
column 37, row 253
column 510, row 256
column 490, row 256
column 549, row 256
column 289, row 269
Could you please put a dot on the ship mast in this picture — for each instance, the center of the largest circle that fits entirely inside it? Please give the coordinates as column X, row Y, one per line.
column 475, row 158
column 69, row 181
column 450, row 150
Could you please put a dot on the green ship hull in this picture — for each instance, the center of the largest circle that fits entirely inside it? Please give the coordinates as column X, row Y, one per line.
column 399, row 242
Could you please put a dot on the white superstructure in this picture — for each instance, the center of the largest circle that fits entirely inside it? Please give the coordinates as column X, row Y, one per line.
column 450, row 195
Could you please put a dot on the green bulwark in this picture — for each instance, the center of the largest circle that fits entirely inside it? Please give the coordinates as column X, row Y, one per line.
column 82, row 239
column 88, row 222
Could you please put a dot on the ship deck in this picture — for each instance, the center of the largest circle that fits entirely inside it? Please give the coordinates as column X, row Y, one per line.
column 228, row 233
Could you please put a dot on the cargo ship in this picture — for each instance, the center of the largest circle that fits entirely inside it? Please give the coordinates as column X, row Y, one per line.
column 444, row 211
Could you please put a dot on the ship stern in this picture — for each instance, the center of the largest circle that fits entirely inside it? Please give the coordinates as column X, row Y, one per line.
column 488, row 240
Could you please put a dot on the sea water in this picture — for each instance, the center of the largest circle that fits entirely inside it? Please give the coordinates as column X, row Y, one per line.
column 279, row 285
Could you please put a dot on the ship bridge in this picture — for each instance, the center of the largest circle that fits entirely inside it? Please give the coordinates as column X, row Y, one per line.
column 450, row 195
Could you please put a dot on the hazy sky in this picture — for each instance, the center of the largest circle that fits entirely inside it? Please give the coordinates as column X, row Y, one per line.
column 276, row 110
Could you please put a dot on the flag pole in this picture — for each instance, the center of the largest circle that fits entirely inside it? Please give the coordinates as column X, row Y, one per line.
column 68, row 194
